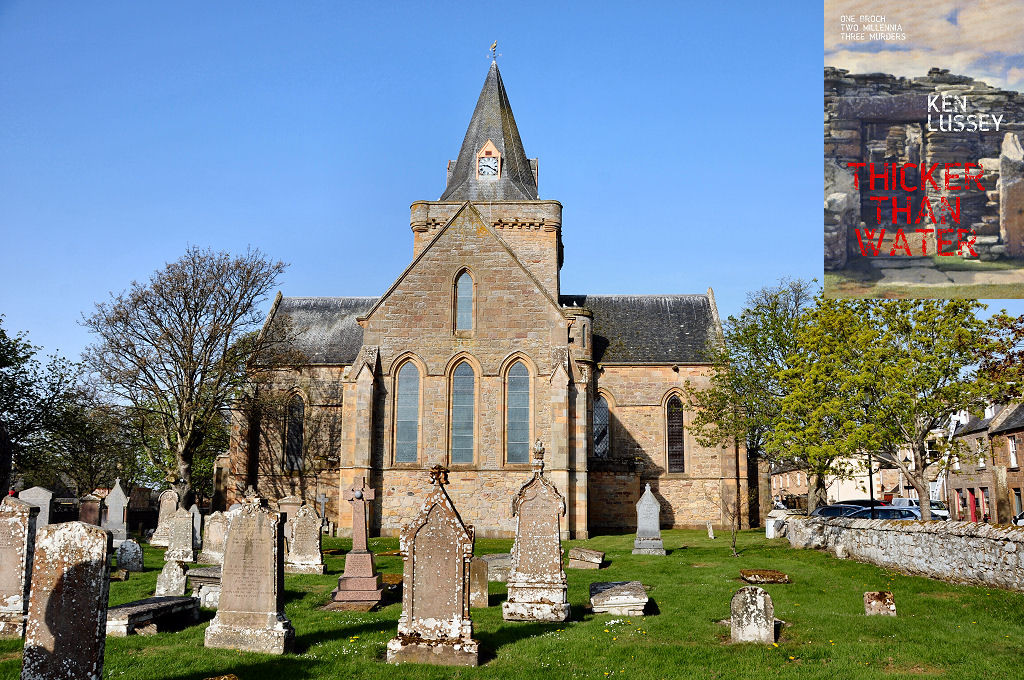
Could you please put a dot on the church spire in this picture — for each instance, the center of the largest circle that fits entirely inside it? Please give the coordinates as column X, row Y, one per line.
column 492, row 165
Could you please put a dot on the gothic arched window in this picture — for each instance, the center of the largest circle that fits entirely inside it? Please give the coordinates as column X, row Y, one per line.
column 407, row 414
column 601, row 429
column 517, row 420
column 674, row 430
column 463, row 404
column 464, row 302
column 293, row 434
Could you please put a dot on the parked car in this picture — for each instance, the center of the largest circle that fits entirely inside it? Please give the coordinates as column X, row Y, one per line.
column 863, row 502
column 835, row 510
column 886, row 512
column 939, row 509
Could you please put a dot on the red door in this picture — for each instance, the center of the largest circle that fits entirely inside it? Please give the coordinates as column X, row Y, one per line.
column 972, row 505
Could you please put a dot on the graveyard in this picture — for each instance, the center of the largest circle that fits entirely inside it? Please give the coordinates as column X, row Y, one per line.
column 942, row 630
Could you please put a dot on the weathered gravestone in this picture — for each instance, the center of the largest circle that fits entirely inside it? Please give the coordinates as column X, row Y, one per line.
column 879, row 603
column 711, row 530
column 171, row 580
column 584, row 558
column 17, row 540
column 180, row 545
column 360, row 586
column 478, row 583
column 498, row 566
column 288, row 506
column 205, row 583
column 536, row 584
column 116, row 521
column 42, row 499
column 305, row 554
column 753, row 616
column 626, row 598
column 89, row 509
column 66, row 627
column 437, row 547
column 129, row 555
column 648, row 525
column 166, row 507
column 250, row 614
column 197, row 526
column 215, row 530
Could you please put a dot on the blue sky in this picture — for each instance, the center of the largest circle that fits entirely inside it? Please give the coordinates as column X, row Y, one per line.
column 683, row 139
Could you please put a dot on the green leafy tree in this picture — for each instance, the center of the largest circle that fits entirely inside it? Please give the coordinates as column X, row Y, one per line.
column 175, row 350
column 742, row 400
column 30, row 393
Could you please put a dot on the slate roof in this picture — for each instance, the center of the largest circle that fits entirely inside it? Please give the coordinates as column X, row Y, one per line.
column 627, row 328
column 325, row 328
column 648, row 328
column 492, row 119
column 1014, row 421
column 976, row 424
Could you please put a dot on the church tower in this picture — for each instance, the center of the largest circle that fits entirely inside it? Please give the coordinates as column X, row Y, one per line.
column 493, row 171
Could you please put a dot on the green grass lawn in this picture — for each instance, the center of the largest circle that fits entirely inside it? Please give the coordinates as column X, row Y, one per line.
column 942, row 630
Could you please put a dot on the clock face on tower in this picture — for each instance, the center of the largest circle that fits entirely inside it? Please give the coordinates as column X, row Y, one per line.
column 487, row 166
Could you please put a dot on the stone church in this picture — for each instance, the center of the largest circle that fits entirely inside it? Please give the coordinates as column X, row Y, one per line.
column 472, row 355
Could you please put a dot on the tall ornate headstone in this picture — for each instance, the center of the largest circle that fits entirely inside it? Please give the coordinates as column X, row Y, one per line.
column 89, row 509
column 167, row 505
column 215, row 531
column 305, row 555
column 42, row 499
column 116, row 521
column 250, row 615
column 437, row 547
column 179, row 548
column 536, row 584
column 753, row 616
column 66, row 628
column 648, row 525
column 17, row 540
column 197, row 526
column 359, row 587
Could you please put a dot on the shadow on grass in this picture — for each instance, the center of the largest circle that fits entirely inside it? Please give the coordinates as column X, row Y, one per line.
column 508, row 634
column 495, row 599
column 288, row 666
column 304, row 642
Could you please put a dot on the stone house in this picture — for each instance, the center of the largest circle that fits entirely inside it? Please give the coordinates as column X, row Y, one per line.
column 985, row 485
column 472, row 355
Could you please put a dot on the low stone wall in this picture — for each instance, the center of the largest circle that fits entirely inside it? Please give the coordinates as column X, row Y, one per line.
column 963, row 552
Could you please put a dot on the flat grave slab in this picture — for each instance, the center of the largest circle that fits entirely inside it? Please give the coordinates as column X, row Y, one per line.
column 628, row 598
column 152, row 615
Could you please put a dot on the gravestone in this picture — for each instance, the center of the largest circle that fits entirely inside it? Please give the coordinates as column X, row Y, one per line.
column 179, row 548
column 66, row 627
column 879, row 603
column 167, row 505
column 583, row 558
column 288, row 506
column 305, row 554
column 626, row 598
column 116, row 521
column 17, row 541
column 197, row 526
column 498, row 566
column 171, row 580
column 42, row 499
column 753, row 616
column 478, row 583
column 250, row 614
column 435, row 626
column 89, row 509
column 536, row 584
column 359, row 587
column 215, row 530
column 205, row 583
column 129, row 556
column 648, row 525
column 711, row 530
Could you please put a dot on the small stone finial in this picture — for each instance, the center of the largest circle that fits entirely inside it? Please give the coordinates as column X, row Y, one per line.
column 250, row 494
column 439, row 475
column 538, row 455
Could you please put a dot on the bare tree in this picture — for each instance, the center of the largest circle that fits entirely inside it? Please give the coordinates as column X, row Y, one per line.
column 175, row 349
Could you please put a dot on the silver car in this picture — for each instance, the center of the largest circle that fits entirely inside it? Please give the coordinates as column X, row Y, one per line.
column 939, row 509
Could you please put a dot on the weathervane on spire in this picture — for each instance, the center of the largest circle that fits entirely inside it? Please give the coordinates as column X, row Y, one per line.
column 494, row 51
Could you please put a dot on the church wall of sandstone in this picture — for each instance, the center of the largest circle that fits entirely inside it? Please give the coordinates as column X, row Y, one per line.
column 965, row 552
